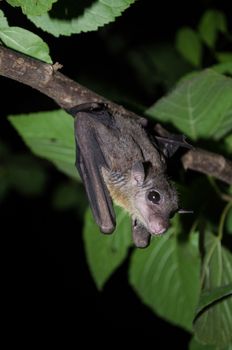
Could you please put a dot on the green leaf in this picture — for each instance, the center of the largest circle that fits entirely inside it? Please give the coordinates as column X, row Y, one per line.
column 96, row 15
column 224, row 57
column 217, row 268
column 49, row 135
column 106, row 252
column 194, row 345
column 211, row 23
column 166, row 277
column 26, row 42
column 3, row 20
column 223, row 68
column 229, row 222
column 189, row 45
column 33, row 7
column 214, row 323
column 209, row 297
column 228, row 143
column 200, row 107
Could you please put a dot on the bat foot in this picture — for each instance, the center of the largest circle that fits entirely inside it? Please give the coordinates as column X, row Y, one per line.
column 141, row 237
column 142, row 243
column 107, row 229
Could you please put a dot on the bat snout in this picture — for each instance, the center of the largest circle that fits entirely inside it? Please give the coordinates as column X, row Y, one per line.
column 158, row 225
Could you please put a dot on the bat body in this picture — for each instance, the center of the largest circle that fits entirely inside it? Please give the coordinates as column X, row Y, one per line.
column 119, row 161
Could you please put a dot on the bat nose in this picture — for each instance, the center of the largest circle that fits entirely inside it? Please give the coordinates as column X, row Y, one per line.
column 157, row 226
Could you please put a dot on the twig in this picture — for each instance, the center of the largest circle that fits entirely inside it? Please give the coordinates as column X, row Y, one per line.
column 46, row 78
column 67, row 93
column 208, row 163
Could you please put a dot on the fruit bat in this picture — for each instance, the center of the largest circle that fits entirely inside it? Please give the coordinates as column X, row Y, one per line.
column 119, row 160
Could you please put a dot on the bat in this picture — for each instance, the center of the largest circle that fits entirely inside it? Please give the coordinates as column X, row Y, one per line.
column 119, row 160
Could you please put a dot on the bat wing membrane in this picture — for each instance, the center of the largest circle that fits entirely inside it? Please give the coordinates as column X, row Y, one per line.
column 89, row 161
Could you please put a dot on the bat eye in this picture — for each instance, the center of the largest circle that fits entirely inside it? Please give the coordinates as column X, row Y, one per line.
column 154, row 197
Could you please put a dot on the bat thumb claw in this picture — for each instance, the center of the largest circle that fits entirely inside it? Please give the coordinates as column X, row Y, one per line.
column 107, row 229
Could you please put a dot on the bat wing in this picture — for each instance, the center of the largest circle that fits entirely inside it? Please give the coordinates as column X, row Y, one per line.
column 89, row 161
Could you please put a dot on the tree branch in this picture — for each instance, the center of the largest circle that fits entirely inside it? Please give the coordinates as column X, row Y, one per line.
column 67, row 93
column 208, row 163
column 46, row 78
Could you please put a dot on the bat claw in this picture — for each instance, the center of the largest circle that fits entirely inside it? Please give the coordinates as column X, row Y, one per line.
column 141, row 237
column 107, row 229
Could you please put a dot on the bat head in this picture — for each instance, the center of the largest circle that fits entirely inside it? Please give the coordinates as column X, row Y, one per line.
column 155, row 200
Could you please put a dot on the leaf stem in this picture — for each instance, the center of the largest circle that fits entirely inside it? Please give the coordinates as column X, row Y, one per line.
column 207, row 260
column 222, row 219
column 225, row 197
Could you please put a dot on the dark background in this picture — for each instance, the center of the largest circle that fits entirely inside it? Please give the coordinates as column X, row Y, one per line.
column 45, row 265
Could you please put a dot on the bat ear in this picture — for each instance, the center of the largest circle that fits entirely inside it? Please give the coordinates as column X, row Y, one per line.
column 138, row 173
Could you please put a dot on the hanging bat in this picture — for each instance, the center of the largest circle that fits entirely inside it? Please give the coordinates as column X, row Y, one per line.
column 118, row 160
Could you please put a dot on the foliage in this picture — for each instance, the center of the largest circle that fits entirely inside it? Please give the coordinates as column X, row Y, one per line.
column 184, row 276
column 200, row 107
column 112, row 249
column 33, row 7
column 169, row 261
column 88, row 18
column 23, row 40
column 49, row 135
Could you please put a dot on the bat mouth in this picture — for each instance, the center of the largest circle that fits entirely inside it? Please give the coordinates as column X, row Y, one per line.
column 157, row 226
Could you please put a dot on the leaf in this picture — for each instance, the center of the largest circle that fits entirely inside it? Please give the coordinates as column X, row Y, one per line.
column 214, row 323
column 166, row 277
column 194, row 345
column 3, row 20
column 224, row 57
column 228, row 143
column 96, row 15
column 209, row 297
column 223, row 68
column 33, row 7
column 106, row 252
column 229, row 222
column 200, row 107
column 26, row 42
column 217, row 267
column 189, row 45
column 49, row 135
column 211, row 23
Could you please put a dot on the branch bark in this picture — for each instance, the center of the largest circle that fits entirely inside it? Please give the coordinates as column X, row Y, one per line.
column 46, row 78
column 67, row 93
column 208, row 163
